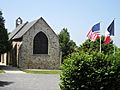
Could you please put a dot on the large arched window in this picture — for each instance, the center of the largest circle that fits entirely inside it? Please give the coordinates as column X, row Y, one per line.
column 40, row 44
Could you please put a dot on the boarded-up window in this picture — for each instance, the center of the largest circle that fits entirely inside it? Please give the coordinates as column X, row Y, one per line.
column 40, row 44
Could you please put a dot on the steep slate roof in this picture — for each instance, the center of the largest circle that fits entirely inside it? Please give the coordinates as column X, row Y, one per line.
column 16, row 30
column 23, row 28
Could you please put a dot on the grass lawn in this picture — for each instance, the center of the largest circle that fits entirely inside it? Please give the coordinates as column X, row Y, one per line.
column 43, row 71
column 1, row 71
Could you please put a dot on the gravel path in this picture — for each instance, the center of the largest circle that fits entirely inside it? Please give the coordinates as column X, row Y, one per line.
column 29, row 82
column 24, row 81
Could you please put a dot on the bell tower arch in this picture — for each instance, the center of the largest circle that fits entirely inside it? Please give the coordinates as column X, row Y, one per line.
column 19, row 21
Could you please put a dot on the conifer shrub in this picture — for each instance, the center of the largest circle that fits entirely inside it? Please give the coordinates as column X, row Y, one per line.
column 83, row 71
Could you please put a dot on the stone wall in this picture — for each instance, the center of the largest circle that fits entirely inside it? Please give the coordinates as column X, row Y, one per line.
column 42, row 61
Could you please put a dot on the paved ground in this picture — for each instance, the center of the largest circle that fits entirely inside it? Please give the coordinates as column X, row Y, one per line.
column 24, row 81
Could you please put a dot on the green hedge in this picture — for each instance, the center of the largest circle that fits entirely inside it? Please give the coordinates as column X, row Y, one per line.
column 82, row 71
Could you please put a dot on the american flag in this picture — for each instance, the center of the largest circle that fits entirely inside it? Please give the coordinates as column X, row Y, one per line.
column 94, row 33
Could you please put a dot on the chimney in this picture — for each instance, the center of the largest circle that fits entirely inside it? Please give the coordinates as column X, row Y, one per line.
column 18, row 21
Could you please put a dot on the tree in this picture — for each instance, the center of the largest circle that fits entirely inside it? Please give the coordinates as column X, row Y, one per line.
column 67, row 46
column 89, row 46
column 4, row 42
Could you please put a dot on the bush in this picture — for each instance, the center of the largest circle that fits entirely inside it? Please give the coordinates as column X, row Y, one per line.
column 82, row 71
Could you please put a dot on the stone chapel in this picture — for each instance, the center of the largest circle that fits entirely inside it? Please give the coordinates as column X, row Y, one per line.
column 34, row 45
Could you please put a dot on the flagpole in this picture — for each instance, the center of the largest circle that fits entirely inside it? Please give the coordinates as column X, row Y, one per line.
column 100, row 43
column 100, row 40
column 114, row 36
column 114, row 44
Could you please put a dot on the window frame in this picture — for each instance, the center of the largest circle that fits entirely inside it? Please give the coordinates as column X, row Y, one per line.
column 40, row 43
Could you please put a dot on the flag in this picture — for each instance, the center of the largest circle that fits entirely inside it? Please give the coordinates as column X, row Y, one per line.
column 94, row 33
column 109, row 32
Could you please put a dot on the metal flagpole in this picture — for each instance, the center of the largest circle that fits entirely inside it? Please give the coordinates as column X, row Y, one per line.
column 100, row 43
column 100, row 39
column 114, row 36
column 114, row 44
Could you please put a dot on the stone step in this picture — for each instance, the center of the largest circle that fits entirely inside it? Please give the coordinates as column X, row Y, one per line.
column 14, row 72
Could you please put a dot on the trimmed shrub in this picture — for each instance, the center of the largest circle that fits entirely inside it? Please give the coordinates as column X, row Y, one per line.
column 82, row 71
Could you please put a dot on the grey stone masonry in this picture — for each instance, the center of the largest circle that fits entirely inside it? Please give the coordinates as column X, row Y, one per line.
column 26, row 58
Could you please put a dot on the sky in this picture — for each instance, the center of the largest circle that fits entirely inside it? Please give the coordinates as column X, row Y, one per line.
column 78, row 16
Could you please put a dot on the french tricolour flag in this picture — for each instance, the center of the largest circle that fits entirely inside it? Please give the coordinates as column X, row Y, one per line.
column 109, row 32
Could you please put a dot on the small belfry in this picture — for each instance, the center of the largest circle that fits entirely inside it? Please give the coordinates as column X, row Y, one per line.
column 18, row 21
